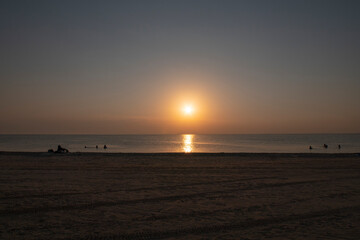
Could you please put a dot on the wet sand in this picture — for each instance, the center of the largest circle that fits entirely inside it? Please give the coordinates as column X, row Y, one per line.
column 179, row 196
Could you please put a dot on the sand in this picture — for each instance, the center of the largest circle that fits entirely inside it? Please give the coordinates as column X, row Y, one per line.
column 179, row 196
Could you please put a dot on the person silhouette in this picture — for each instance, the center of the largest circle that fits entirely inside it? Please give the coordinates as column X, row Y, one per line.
column 61, row 150
column 310, row 147
column 97, row 147
column 339, row 146
column 325, row 146
column 105, row 147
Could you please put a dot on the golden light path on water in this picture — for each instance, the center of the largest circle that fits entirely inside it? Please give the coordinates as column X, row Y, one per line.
column 188, row 143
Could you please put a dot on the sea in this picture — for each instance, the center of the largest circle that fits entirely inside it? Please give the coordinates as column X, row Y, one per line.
column 242, row 143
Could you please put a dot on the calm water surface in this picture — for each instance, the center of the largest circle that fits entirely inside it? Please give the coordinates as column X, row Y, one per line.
column 350, row 143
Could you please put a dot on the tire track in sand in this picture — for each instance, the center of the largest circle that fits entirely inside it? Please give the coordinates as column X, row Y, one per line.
column 197, row 230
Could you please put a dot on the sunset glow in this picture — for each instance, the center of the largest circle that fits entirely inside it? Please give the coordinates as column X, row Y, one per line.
column 188, row 109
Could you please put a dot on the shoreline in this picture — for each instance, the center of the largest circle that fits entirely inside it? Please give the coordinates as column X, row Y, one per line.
column 242, row 154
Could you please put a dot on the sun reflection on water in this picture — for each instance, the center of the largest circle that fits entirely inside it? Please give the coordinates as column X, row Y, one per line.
column 188, row 143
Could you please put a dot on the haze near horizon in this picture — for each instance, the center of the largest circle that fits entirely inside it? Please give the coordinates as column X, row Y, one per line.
column 138, row 67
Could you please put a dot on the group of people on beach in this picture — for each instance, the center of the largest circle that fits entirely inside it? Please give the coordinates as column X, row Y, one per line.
column 325, row 146
column 64, row 150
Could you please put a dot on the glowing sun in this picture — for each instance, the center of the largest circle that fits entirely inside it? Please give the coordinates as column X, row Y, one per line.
column 188, row 109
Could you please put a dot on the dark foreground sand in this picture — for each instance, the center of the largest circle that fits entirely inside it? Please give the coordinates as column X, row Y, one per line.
column 179, row 196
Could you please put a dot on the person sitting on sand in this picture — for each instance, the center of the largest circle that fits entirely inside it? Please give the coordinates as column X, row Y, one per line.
column 61, row 150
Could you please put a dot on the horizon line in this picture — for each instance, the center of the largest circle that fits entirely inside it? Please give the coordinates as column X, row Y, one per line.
column 115, row 134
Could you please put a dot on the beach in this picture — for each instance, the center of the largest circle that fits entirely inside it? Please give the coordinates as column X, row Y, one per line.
column 179, row 196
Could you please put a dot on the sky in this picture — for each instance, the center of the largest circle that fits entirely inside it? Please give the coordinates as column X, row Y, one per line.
column 130, row 67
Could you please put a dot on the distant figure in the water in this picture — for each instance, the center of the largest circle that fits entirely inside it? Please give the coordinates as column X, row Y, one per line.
column 325, row 146
column 61, row 150
column 105, row 147
column 97, row 147
column 339, row 146
column 310, row 147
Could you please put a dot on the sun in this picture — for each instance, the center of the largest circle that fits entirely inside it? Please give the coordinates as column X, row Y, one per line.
column 188, row 109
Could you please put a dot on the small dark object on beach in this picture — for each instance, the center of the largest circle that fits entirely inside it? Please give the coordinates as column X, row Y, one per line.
column 105, row 147
column 61, row 150
column 50, row 150
column 97, row 147
column 325, row 146
column 339, row 146
column 310, row 147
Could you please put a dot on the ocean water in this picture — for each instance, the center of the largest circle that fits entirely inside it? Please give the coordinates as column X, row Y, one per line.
column 273, row 143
